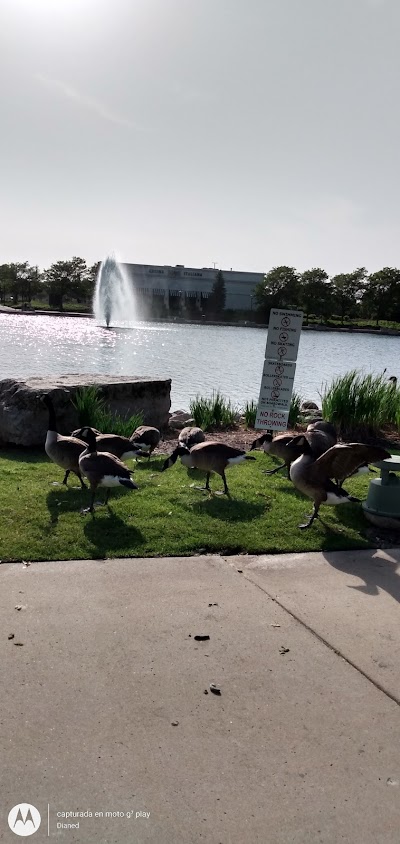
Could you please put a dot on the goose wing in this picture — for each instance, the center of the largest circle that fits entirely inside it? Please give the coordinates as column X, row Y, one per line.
column 104, row 463
column 344, row 459
column 213, row 447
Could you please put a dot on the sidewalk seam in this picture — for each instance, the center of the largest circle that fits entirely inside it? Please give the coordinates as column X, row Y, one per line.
column 325, row 642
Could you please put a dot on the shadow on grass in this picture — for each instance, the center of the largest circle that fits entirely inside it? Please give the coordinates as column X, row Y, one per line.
column 229, row 509
column 20, row 454
column 378, row 572
column 65, row 500
column 108, row 532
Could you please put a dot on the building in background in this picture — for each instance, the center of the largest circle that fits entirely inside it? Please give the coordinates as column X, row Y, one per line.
column 186, row 290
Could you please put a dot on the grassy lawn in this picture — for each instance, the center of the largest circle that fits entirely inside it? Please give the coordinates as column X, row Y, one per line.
column 167, row 515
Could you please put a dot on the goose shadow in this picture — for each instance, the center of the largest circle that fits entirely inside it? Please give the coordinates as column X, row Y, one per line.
column 108, row 532
column 228, row 509
column 62, row 499
column 378, row 568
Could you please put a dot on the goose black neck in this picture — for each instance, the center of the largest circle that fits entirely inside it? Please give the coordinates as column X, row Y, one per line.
column 90, row 438
column 52, row 415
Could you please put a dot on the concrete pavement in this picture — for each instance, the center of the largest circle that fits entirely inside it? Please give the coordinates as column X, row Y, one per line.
column 104, row 707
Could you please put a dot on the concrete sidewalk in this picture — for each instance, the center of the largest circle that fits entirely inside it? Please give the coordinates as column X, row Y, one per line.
column 104, row 707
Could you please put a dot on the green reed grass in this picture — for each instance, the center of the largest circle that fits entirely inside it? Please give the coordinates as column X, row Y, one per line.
column 214, row 412
column 93, row 411
column 361, row 404
column 250, row 413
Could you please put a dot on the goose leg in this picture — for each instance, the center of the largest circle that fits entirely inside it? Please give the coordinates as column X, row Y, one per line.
column 272, row 471
column 225, row 491
column 207, row 486
column 66, row 477
column 83, row 485
column 107, row 496
column 314, row 515
column 90, row 509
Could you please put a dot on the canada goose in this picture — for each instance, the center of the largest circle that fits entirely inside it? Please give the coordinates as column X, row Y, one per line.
column 321, row 436
column 78, row 430
column 121, row 447
column 146, row 438
column 209, row 457
column 64, row 451
column 102, row 469
column 276, row 447
column 191, row 436
column 313, row 476
column 327, row 427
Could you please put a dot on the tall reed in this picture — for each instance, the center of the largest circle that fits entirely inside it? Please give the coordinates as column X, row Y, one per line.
column 361, row 404
column 92, row 411
column 214, row 412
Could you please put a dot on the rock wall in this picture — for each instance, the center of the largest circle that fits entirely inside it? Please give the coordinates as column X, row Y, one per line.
column 24, row 418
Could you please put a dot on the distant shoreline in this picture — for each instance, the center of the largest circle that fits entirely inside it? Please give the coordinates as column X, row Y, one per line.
column 391, row 332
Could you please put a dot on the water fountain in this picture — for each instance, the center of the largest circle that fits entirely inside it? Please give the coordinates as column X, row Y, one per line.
column 114, row 300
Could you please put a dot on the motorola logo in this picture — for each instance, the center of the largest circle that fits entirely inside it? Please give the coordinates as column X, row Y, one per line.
column 24, row 819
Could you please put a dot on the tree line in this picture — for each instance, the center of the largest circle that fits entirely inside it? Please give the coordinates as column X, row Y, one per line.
column 347, row 296
column 21, row 283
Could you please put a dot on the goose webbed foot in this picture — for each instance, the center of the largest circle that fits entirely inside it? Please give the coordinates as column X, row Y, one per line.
column 85, row 510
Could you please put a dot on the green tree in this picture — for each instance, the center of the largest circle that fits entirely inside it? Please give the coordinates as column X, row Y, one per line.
column 279, row 289
column 381, row 298
column 315, row 293
column 348, row 289
column 19, row 281
column 6, row 282
column 66, row 279
column 216, row 302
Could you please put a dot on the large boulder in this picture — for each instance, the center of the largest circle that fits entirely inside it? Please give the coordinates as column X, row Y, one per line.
column 24, row 418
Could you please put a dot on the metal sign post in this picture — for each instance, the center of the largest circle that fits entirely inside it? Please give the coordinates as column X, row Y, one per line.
column 279, row 369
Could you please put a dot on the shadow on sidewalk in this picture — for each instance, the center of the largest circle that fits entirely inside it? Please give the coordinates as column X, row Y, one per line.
column 380, row 570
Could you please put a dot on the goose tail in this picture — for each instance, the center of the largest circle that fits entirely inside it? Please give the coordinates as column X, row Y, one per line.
column 128, row 483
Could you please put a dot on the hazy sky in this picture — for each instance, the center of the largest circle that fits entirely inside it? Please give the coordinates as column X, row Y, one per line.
column 248, row 133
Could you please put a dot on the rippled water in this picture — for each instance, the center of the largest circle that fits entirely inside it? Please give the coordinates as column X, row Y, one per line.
column 198, row 358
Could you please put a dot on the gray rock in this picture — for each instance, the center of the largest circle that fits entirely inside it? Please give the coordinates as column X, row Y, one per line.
column 24, row 418
column 180, row 419
column 309, row 405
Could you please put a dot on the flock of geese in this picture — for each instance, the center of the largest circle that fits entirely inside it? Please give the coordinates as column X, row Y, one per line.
column 315, row 462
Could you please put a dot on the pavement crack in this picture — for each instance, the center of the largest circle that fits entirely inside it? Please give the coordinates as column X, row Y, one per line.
column 324, row 641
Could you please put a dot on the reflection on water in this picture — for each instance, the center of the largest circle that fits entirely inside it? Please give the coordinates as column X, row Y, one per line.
column 198, row 358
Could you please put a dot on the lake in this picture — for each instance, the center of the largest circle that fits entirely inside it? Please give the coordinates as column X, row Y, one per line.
column 198, row 358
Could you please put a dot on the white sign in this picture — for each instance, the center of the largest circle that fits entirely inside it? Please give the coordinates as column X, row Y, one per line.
column 279, row 369
column 283, row 334
column 272, row 419
column 277, row 383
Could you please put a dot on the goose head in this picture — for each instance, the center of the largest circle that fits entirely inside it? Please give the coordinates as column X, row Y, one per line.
column 181, row 451
column 265, row 441
column 88, row 436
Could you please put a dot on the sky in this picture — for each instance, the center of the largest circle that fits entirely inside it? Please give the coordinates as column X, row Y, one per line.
column 241, row 133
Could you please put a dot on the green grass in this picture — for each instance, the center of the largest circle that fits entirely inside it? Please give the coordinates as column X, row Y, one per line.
column 361, row 405
column 92, row 410
column 167, row 515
